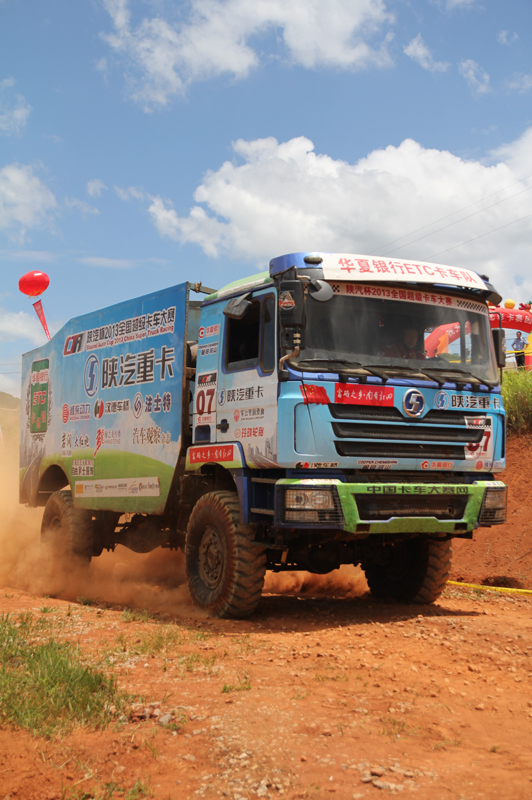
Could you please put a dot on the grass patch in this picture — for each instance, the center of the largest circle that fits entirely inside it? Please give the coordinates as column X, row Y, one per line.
column 517, row 395
column 135, row 615
column 243, row 685
column 45, row 686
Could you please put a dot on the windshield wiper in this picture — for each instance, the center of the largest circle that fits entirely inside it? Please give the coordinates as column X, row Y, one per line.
column 424, row 373
column 483, row 381
column 353, row 365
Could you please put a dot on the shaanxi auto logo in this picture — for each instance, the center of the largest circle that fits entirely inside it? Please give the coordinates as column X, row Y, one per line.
column 91, row 375
column 413, row 403
column 441, row 400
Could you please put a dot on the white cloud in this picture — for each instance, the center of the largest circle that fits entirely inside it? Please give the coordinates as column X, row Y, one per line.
column 80, row 205
column 14, row 114
column 276, row 198
column 477, row 79
column 503, row 37
column 95, row 187
column 129, row 193
column 16, row 325
column 522, row 83
column 420, row 53
column 218, row 37
column 25, row 201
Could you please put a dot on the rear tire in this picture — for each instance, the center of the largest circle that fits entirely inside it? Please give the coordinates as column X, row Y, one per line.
column 415, row 571
column 225, row 568
column 67, row 532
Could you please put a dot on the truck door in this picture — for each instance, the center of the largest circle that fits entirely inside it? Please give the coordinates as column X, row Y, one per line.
column 246, row 405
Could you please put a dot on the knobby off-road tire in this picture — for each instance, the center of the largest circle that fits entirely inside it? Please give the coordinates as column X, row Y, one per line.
column 225, row 568
column 67, row 532
column 416, row 573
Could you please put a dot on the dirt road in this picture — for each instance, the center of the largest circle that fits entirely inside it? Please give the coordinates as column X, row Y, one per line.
column 314, row 697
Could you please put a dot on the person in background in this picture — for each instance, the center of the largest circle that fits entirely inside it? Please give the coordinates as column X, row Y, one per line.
column 519, row 345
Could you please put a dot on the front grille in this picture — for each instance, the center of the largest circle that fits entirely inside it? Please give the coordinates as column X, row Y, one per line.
column 398, row 450
column 349, row 430
column 380, row 414
column 385, row 506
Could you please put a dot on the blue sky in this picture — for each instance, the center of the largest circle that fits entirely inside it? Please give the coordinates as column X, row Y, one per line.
column 148, row 142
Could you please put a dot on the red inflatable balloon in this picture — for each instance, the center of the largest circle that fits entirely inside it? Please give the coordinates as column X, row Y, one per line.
column 33, row 283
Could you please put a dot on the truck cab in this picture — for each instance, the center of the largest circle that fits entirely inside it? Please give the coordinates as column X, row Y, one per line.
column 356, row 403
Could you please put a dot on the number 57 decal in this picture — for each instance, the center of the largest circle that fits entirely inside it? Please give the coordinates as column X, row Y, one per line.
column 483, row 448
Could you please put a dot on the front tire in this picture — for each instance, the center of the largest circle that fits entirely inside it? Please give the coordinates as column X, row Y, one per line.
column 225, row 568
column 67, row 532
column 414, row 571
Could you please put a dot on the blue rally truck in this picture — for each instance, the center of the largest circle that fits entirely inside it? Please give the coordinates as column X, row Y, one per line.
column 336, row 409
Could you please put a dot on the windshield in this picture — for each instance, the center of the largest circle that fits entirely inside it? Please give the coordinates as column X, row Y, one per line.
column 395, row 330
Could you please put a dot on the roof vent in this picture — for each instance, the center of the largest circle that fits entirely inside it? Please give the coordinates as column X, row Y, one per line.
column 313, row 259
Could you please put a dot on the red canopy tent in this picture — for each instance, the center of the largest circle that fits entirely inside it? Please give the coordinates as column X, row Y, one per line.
column 519, row 319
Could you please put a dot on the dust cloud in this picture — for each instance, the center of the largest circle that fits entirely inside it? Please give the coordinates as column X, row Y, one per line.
column 155, row 581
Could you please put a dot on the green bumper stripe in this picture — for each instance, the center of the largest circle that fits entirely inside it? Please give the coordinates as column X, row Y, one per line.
column 428, row 524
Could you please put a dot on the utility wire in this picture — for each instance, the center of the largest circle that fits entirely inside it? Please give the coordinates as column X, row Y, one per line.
column 435, row 222
column 480, row 236
column 455, row 222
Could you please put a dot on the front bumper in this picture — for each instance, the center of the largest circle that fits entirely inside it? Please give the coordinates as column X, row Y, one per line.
column 391, row 507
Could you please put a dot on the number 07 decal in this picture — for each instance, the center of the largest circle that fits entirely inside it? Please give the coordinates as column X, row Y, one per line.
column 484, row 448
column 204, row 401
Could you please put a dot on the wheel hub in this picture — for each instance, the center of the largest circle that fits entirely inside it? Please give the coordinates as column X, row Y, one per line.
column 211, row 558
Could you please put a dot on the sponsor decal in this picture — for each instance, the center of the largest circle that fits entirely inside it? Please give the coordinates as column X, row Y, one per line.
column 138, row 405
column 206, row 419
column 302, row 465
column 319, row 481
column 479, row 465
column 222, row 395
column 437, row 464
column 314, row 394
column 107, row 436
column 99, row 409
column 133, row 368
column 91, row 375
column 249, row 433
column 202, row 455
column 208, row 349
column 119, row 487
column 413, row 403
column 472, row 401
column 244, row 394
column 442, row 400
column 407, row 296
column 39, row 396
column 499, row 464
column 210, row 330
column 324, row 464
column 484, row 448
column 205, row 397
column 352, row 394
column 66, row 444
column 151, row 435
column 76, row 412
column 286, row 301
column 154, row 405
column 248, row 414
column 416, row 489
column 82, row 467
column 75, row 344
column 363, row 268
column 382, row 465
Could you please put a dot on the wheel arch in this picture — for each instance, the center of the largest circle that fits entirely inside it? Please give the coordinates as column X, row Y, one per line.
column 52, row 480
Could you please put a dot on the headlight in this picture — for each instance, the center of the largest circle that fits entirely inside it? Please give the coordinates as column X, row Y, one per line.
column 493, row 510
column 319, row 499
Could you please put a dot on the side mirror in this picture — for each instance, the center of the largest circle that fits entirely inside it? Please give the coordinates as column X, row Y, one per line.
column 238, row 307
column 499, row 340
column 320, row 290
